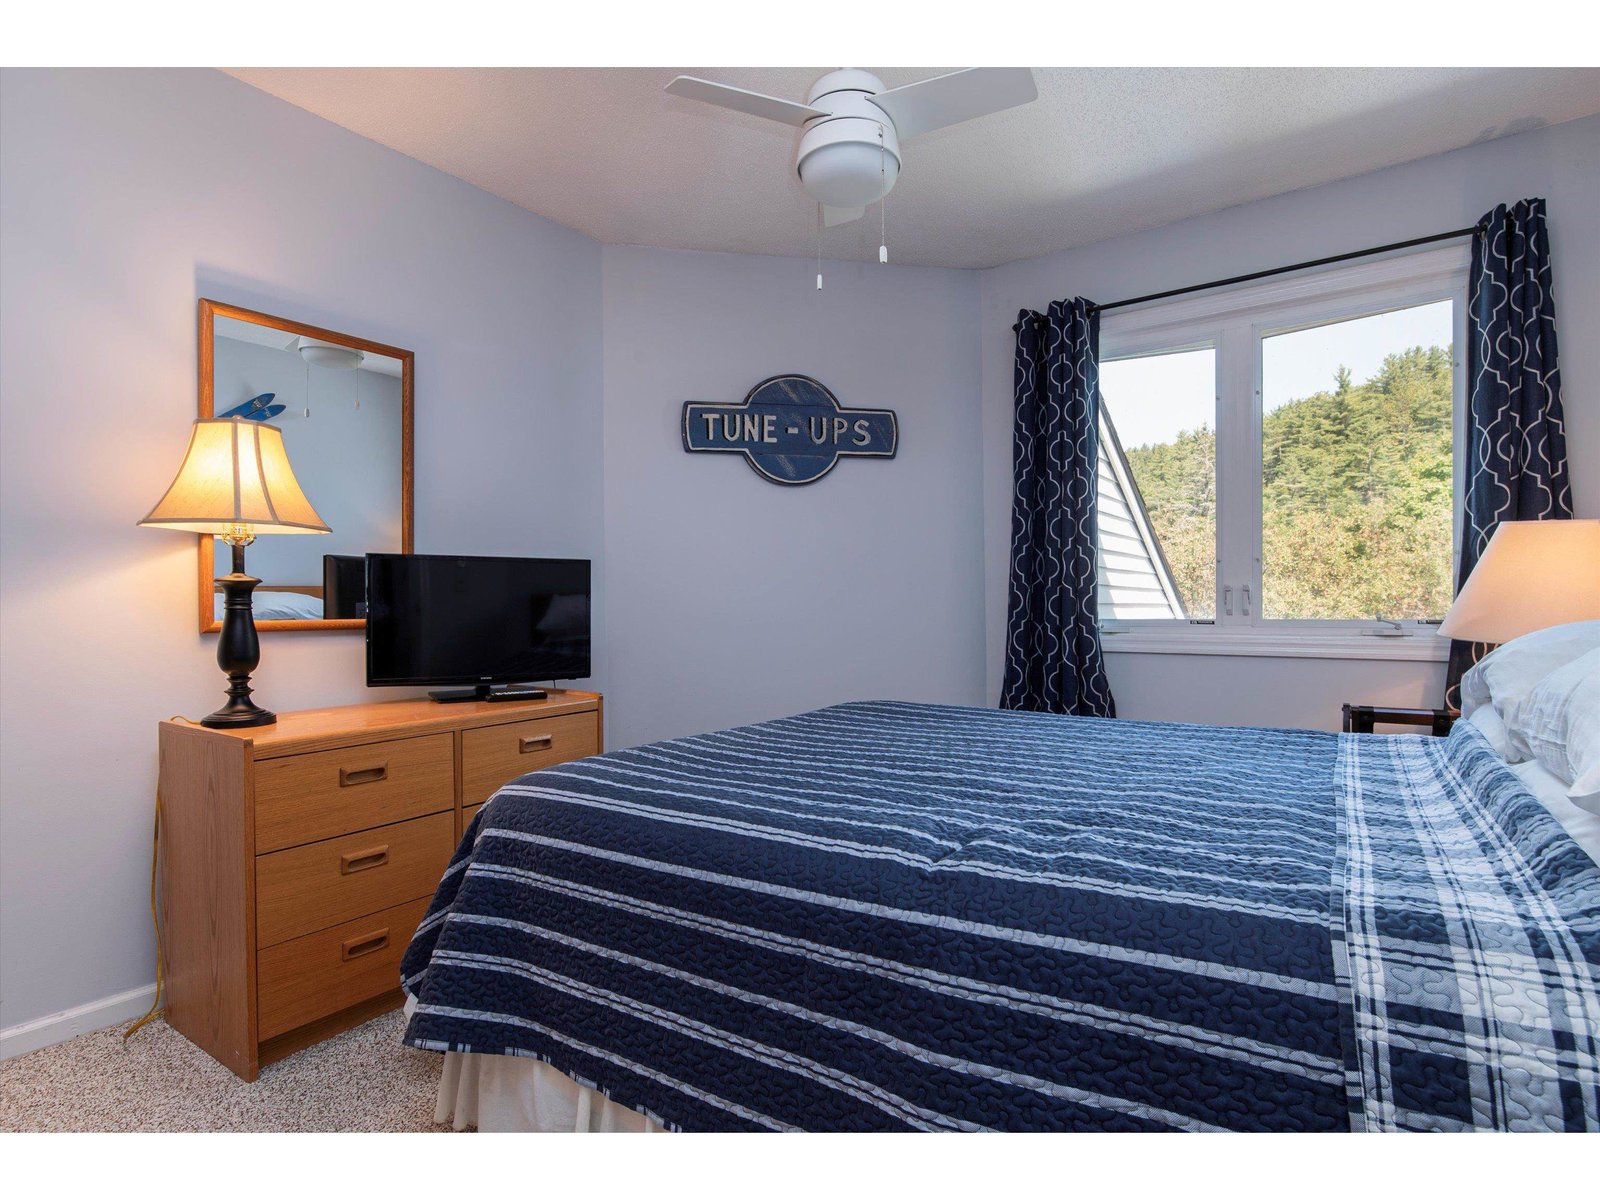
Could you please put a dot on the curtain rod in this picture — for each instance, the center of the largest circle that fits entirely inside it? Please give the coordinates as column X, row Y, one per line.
column 1299, row 266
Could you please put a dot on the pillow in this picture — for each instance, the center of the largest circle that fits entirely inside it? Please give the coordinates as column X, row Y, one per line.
column 1474, row 692
column 1506, row 675
column 281, row 606
column 1559, row 723
column 1489, row 724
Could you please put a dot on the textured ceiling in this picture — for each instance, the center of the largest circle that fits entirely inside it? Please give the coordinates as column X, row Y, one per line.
column 1102, row 152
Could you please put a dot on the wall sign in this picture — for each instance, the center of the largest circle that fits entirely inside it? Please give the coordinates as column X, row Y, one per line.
column 790, row 429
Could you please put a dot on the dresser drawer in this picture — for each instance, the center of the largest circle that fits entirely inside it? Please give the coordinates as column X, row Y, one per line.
column 315, row 976
column 312, row 887
column 309, row 797
column 494, row 755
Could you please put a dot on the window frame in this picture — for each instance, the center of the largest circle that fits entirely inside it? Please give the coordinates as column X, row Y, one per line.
column 1234, row 322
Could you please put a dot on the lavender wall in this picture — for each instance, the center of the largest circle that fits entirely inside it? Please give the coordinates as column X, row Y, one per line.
column 125, row 196
column 732, row 599
column 1448, row 191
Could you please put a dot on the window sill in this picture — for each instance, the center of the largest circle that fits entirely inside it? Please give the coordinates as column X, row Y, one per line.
column 1427, row 647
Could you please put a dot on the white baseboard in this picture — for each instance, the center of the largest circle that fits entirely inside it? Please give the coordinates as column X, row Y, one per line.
column 86, row 1018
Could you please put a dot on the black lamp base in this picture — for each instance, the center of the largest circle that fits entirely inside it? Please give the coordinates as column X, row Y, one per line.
column 238, row 652
column 243, row 717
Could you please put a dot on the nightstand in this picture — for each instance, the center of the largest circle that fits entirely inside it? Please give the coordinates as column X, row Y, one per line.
column 1360, row 718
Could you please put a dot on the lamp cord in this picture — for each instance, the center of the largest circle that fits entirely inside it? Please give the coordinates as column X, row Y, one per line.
column 155, row 922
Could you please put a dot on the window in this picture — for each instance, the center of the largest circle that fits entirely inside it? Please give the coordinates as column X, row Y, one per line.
column 1278, row 467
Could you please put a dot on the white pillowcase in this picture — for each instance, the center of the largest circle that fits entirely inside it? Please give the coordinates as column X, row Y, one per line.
column 1488, row 723
column 1474, row 692
column 1505, row 676
column 1558, row 721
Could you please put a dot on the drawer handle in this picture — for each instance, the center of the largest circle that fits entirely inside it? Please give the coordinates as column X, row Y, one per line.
column 369, row 944
column 349, row 778
column 541, row 742
column 363, row 860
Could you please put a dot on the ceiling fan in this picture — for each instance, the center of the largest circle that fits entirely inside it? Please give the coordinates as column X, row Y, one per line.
column 849, row 152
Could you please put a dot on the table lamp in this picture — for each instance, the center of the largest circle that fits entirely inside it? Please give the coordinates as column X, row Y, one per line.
column 235, row 483
column 1532, row 575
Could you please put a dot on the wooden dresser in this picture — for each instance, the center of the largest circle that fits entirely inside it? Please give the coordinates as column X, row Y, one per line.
column 297, row 859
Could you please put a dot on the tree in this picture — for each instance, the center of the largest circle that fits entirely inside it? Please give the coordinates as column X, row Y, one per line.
column 1356, row 497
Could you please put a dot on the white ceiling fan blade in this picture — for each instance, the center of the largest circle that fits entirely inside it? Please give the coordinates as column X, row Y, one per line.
column 832, row 216
column 754, row 103
column 931, row 104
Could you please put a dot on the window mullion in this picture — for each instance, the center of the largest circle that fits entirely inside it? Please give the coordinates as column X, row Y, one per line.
column 1238, row 476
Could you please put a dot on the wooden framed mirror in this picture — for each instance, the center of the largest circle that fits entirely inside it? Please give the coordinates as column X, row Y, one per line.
column 344, row 405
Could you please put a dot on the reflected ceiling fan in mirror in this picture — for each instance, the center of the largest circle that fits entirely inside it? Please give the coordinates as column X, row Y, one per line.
column 258, row 408
column 852, row 126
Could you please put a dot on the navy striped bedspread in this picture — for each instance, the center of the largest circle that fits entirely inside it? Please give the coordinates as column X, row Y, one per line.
column 895, row 916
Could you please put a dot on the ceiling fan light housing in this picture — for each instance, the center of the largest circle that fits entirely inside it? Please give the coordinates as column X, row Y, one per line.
column 849, row 174
column 323, row 354
column 851, row 158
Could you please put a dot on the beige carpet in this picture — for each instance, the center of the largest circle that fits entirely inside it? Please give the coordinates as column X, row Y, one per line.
column 361, row 1080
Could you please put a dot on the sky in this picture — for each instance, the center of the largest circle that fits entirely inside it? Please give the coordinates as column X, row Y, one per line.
column 1151, row 400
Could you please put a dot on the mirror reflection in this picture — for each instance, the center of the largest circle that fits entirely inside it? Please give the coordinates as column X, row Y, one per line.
column 341, row 410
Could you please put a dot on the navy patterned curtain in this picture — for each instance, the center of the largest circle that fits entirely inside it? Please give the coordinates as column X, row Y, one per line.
column 1516, row 439
column 1053, row 661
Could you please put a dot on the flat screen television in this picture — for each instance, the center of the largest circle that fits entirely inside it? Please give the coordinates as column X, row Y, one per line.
column 483, row 622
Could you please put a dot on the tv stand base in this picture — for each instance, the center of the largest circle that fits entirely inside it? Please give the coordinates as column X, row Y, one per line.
column 504, row 693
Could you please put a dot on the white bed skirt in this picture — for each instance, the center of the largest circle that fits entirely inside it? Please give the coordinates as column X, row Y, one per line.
column 496, row 1093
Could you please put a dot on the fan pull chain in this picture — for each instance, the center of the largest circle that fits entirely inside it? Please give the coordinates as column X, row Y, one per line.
column 308, row 386
column 819, row 246
column 883, row 200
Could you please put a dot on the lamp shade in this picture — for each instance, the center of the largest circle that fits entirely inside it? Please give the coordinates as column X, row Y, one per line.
column 1533, row 574
column 235, row 479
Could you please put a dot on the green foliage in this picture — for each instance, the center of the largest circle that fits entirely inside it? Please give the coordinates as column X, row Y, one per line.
column 1356, row 498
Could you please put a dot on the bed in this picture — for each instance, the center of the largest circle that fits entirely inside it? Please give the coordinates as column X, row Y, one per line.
column 887, row 916
column 282, row 602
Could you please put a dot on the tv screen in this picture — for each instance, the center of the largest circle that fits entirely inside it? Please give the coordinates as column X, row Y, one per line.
column 436, row 618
